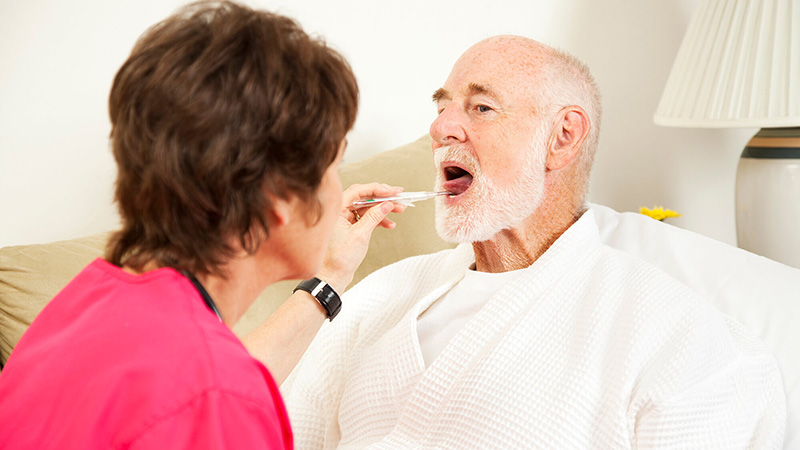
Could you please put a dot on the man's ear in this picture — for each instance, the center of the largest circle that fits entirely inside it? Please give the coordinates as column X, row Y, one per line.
column 566, row 139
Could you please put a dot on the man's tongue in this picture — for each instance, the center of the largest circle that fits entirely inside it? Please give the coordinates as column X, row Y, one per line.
column 458, row 180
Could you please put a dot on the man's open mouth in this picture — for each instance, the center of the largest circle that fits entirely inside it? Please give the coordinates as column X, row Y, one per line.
column 457, row 178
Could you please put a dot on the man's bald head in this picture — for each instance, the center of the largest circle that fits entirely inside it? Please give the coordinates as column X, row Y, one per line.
column 549, row 78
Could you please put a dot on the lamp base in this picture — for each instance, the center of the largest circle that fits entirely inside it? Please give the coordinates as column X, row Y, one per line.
column 768, row 195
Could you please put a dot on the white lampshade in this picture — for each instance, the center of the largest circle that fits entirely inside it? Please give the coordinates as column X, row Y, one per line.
column 738, row 66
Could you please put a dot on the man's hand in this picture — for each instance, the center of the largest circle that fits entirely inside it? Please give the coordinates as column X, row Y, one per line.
column 353, row 230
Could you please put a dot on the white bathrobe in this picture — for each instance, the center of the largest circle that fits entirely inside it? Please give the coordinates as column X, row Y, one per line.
column 590, row 348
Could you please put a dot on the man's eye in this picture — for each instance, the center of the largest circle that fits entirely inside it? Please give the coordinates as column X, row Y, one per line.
column 483, row 108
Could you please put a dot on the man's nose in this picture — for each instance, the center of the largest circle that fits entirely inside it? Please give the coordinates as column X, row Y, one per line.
column 448, row 127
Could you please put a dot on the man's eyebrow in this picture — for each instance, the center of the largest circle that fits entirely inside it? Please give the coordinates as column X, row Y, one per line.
column 475, row 89
column 439, row 94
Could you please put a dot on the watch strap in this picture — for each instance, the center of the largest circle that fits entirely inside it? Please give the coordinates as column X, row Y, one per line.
column 324, row 294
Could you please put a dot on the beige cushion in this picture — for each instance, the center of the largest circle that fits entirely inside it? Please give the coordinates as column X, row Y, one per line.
column 30, row 275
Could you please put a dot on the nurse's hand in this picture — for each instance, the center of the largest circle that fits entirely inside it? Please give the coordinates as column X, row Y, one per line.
column 280, row 341
column 351, row 235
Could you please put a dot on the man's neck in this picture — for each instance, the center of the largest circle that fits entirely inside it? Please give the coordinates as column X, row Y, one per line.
column 519, row 247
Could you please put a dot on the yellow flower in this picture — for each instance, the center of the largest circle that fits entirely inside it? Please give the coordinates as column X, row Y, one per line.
column 658, row 213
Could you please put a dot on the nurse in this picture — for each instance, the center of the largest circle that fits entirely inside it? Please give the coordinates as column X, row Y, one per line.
column 228, row 128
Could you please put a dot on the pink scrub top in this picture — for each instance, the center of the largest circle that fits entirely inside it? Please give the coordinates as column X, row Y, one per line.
column 117, row 360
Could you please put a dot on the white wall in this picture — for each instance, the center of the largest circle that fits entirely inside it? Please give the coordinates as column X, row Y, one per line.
column 57, row 60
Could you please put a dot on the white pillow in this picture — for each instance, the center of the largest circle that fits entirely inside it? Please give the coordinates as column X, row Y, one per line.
column 759, row 293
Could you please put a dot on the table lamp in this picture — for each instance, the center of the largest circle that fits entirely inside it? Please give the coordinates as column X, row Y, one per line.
column 739, row 66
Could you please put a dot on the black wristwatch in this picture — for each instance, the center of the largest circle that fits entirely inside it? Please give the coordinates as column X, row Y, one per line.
column 324, row 294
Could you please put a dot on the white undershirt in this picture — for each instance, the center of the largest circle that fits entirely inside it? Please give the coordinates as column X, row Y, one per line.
column 438, row 324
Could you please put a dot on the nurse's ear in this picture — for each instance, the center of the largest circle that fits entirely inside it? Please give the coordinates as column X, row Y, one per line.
column 282, row 210
column 566, row 138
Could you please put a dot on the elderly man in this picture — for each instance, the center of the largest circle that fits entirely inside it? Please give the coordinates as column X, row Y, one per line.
column 531, row 334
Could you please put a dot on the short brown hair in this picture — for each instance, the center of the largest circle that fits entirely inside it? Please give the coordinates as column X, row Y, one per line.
column 217, row 106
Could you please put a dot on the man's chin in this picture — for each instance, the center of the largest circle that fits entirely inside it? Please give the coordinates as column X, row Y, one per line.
column 451, row 236
column 458, row 230
column 462, row 223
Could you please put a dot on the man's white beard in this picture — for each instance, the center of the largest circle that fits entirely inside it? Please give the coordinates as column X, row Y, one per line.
column 487, row 209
